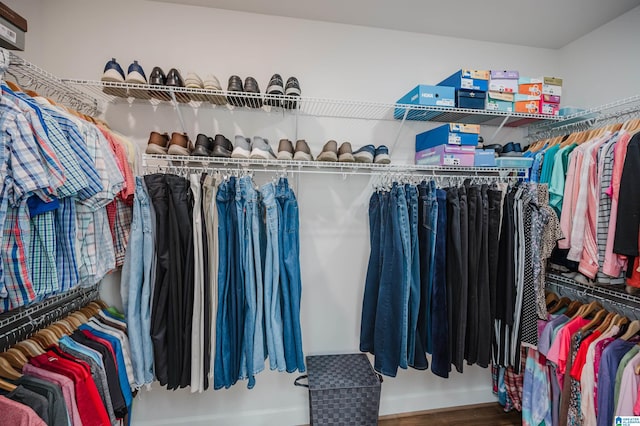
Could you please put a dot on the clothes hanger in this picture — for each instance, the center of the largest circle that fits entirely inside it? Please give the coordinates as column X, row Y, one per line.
column 9, row 387
column 29, row 348
column 632, row 330
column 604, row 326
column 562, row 303
column 8, row 371
column 591, row 308
column 15, row 358
column 573, row 307
column 551, row 298
column 596, row 321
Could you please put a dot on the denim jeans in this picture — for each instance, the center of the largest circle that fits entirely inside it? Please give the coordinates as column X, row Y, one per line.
column 290, row 276
column 272, row 273
column 372, row 282
column 390, row 337
column 404, row 229
column 136, row 286
column 414, row 280
column 441, row 359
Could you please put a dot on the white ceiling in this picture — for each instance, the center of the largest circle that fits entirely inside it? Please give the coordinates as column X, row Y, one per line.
column 537, row 23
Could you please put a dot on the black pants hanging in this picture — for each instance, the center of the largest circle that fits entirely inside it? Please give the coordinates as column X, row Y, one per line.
column 456, row 274
column 485, row 325
column 474, row 200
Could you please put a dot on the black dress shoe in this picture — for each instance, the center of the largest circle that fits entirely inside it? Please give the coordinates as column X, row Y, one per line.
column 251, row 86
column 275, row 88
column 222, row 147
column 235, row 85
column 292, row 88
column 158, row 78
column 174, row 79
column 204, row 146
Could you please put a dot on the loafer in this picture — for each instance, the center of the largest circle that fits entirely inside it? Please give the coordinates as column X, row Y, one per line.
column 292, row 88
column 251, row 86
column 260, row 149
column 158, row 78
column 345, row 153
column 204, row 146
column 235, row 85
column 302, row 152
column 157, row 143
column 222, row 147
column 174, row 79
column 179, row 144
column 285, row 150
column 381, row 155
column 366, row 154
column 241, row 147
column 274, row 88
column 211, row 82
column 329, row 152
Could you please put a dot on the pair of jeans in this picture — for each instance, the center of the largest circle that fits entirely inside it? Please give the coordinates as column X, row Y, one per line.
column 456, row 274
column 372, row 281
column 272, row 299
column 291, row 283
column 136, row 285
column 231, row 304
column 413, row 255
column 427, row 221
column 390, row 333
column 441, row 359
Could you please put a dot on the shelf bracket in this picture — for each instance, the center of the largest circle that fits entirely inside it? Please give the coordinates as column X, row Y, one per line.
column 493, row 137
column 404, row 119
column 174, row 101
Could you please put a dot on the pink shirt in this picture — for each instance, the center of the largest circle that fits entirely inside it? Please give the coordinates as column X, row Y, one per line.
column 628, row 396
column 16, row 414
column 65, row 383
column 561, row 346
column 570, row 189
column 613, row 263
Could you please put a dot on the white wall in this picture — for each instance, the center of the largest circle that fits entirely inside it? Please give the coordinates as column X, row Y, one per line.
column 332, row 61
column 603, row 65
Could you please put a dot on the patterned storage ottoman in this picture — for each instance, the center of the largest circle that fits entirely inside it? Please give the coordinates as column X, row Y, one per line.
column 343, row 390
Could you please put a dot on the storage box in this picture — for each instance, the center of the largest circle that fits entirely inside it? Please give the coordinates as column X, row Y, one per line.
column 497, row 96
column 500, row 74
column 552, row 99
column 426, row 95
column 503, row 85
column 549, row 108
column 532, row 89
column 519, row 97
column 498, row 105
column 550, row 89
column 484, row 158
column 447, row 155
column 450, row 134
column 554, row 81
column 11, row 37
column 529, row 107
column 516, row 162
column 473, row 99
column 343, row 390
column 468, row 79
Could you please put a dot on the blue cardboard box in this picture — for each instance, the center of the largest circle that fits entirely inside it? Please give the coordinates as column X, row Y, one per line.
column 423, row 94
column 448, row 134
column 484, row 158
column 468, row 79
column 473, row 99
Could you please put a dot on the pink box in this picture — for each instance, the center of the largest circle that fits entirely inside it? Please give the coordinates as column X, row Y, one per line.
column 548, row 108
column 509, row 75
column 552, row 99
column 447, row 155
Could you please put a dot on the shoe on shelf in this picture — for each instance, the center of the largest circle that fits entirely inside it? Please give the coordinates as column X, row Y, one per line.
column 204, row 146
column 260, row 149
column 193, row 81
column 382, row 155
column 211, row 83
column 302, row 153
column 179, row 144
column 158, row 78
column 251, row 86
column 242, row 147
column 274, row 88
column 235, row 85
column 366, row 154
column 329, row 152
column 222, row 147
column 292, row 88
column 113, row 73
column 345, row 154
column 174, row 79
column 136, row 75
column 157, row 144
column 285, row 150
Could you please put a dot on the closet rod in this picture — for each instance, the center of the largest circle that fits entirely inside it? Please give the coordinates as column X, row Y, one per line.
column 612, row 297
column 19, row 324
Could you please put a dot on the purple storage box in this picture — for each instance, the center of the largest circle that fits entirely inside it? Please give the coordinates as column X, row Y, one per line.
column 447, row 155
column 504, row 75
column 551, row 99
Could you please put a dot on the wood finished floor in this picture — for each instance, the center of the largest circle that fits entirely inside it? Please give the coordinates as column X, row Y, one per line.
column 476, row 415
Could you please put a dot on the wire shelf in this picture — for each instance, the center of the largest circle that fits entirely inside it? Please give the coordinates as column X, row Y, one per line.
column 113, row 92
column 30, row 76
column 179, row 162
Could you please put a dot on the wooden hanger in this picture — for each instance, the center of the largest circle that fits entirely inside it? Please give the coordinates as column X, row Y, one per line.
column 14, row 357
column 573, row 308
column 7, row 371
column 101, row 303
column 596, row 321
column 562, row 303
column 29, row 348
column 9, row 387
column 590, row 308
column 13, row 86
column 604, row 326
column 551, row 298
column 632, row 330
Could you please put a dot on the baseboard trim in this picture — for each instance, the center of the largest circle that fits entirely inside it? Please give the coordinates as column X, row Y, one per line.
column 437, row 411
